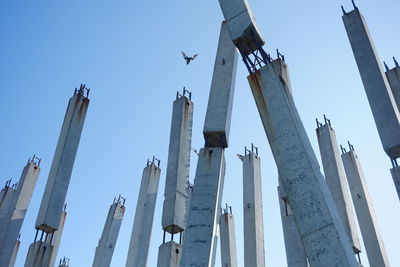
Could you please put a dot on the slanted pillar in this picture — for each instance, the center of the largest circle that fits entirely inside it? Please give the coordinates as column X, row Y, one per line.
column 15, row 253
column 143, row 222
column 295, row 253
column 335, row 177
column 39, row 252
column 253, row 223
column 11, row 222
column 228, row 238
column 55, row 238
column 202, row 223
column 367, row 220
column 105, row 249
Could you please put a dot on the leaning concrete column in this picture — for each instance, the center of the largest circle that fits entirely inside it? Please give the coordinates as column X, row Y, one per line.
column 11, row 224
column 335, row 177
column 105, row 249
column 143, row 222
column 228, row 238
column 55, row 239
column 364, row 209
column 201, row 234
column 15, row 253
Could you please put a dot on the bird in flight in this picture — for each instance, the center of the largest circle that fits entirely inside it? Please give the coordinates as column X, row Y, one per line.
column 188, row 59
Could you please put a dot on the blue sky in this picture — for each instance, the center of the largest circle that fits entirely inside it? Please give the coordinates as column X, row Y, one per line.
column 128, row 53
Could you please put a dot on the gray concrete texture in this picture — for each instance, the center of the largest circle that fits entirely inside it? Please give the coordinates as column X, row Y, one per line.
column 169, row 254
column 395, row 172
column 39, row 254
column 105, row 248
column 253, row 223
column 321, row 230
column 18, row 203
column 335, row 178
column 200, row 237
column 219, row 109
column 242, row 25
column 295, row 253
column 365, row 212
column 144, row 215
column 177, row 178
column 61, row 168
column 380, row 97
column 55, row 240
column 393, row 77
column 228, row 240
column 14, row 254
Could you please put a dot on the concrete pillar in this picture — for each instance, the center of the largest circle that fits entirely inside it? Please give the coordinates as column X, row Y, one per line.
column 323, row 235
column 228, row 238
column 105, row 249
column 55, row 192
column 7, row 195
column 14, row 254
column 169, row 254
column 365, row 210
column 335, row 177
column 143, row 222
column 395, row 171
column 202, row 223
column 393, row 77
column 253, row 223
column 11, row 224
column 39, row 254
column 295, row 253
column 55, row 239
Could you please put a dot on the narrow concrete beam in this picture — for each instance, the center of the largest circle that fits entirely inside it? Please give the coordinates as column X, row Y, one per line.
column 295, row 253
column 253, row 223
column 39, row 254
column 169, row 254
column 11, row 225
column 228, row 238
column 105, row 249
column 369, row 227
column 14, row 254
column 143, row 222
column 380, row 97
column 200, row 238
column 61, row 168
column 335, row 177
column 219, row 109
column 393, row 77
column 55, row 238
column 396, row 179
column 323, row 235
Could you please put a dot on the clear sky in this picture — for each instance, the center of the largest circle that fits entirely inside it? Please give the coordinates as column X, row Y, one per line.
column 129, row 54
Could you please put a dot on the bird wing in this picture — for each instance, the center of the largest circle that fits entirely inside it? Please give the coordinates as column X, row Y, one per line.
column 184, row 55
column 195, row 56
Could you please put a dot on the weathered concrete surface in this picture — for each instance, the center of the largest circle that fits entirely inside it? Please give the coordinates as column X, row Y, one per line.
column 61, row 168
column 200, row 238
column 56, row 240
column 253, row 223
column 335, row 177
column 365, row 211
column 393, row 77
column 105, row 249
column 175, row 203
column 39, row 254
column 11, row 224
column 380, row 97
column 219, row 109
column 143, row 222
column 323, row 234
column 169, row 254
column 7, row 195
column 228, row 240
column 295, row 253
column 242, row 25
column 396, row 179
column 14, row 254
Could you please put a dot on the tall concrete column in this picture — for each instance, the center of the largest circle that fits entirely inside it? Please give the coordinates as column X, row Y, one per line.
column 253, row 223
column 39, row 253
column 335, row 177
column 55, row 238
column 143, row 222
column 202, row 223
column 11, row 224
column 295, row 253
column 105, row 249
column 15, row 253
column 380, row 97
column 228, row 238
column 367, row 220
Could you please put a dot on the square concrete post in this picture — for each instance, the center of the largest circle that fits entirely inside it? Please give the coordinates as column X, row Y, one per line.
column 105, row 249
column 143, row 222
column 253, row 223
column 169, row 254
column 61, row 168
column 7, row 195
column 55, row 239
column 335, row 177
column 228, row 238
column 380, row 97
column 365, row 210
column 39, row 254
column 11, row 226
column 321, row 230
column 14, row 254
column 393, row 77
column 295, row 253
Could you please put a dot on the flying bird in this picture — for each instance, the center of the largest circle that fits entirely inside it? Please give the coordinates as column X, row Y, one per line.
column 188, row 59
